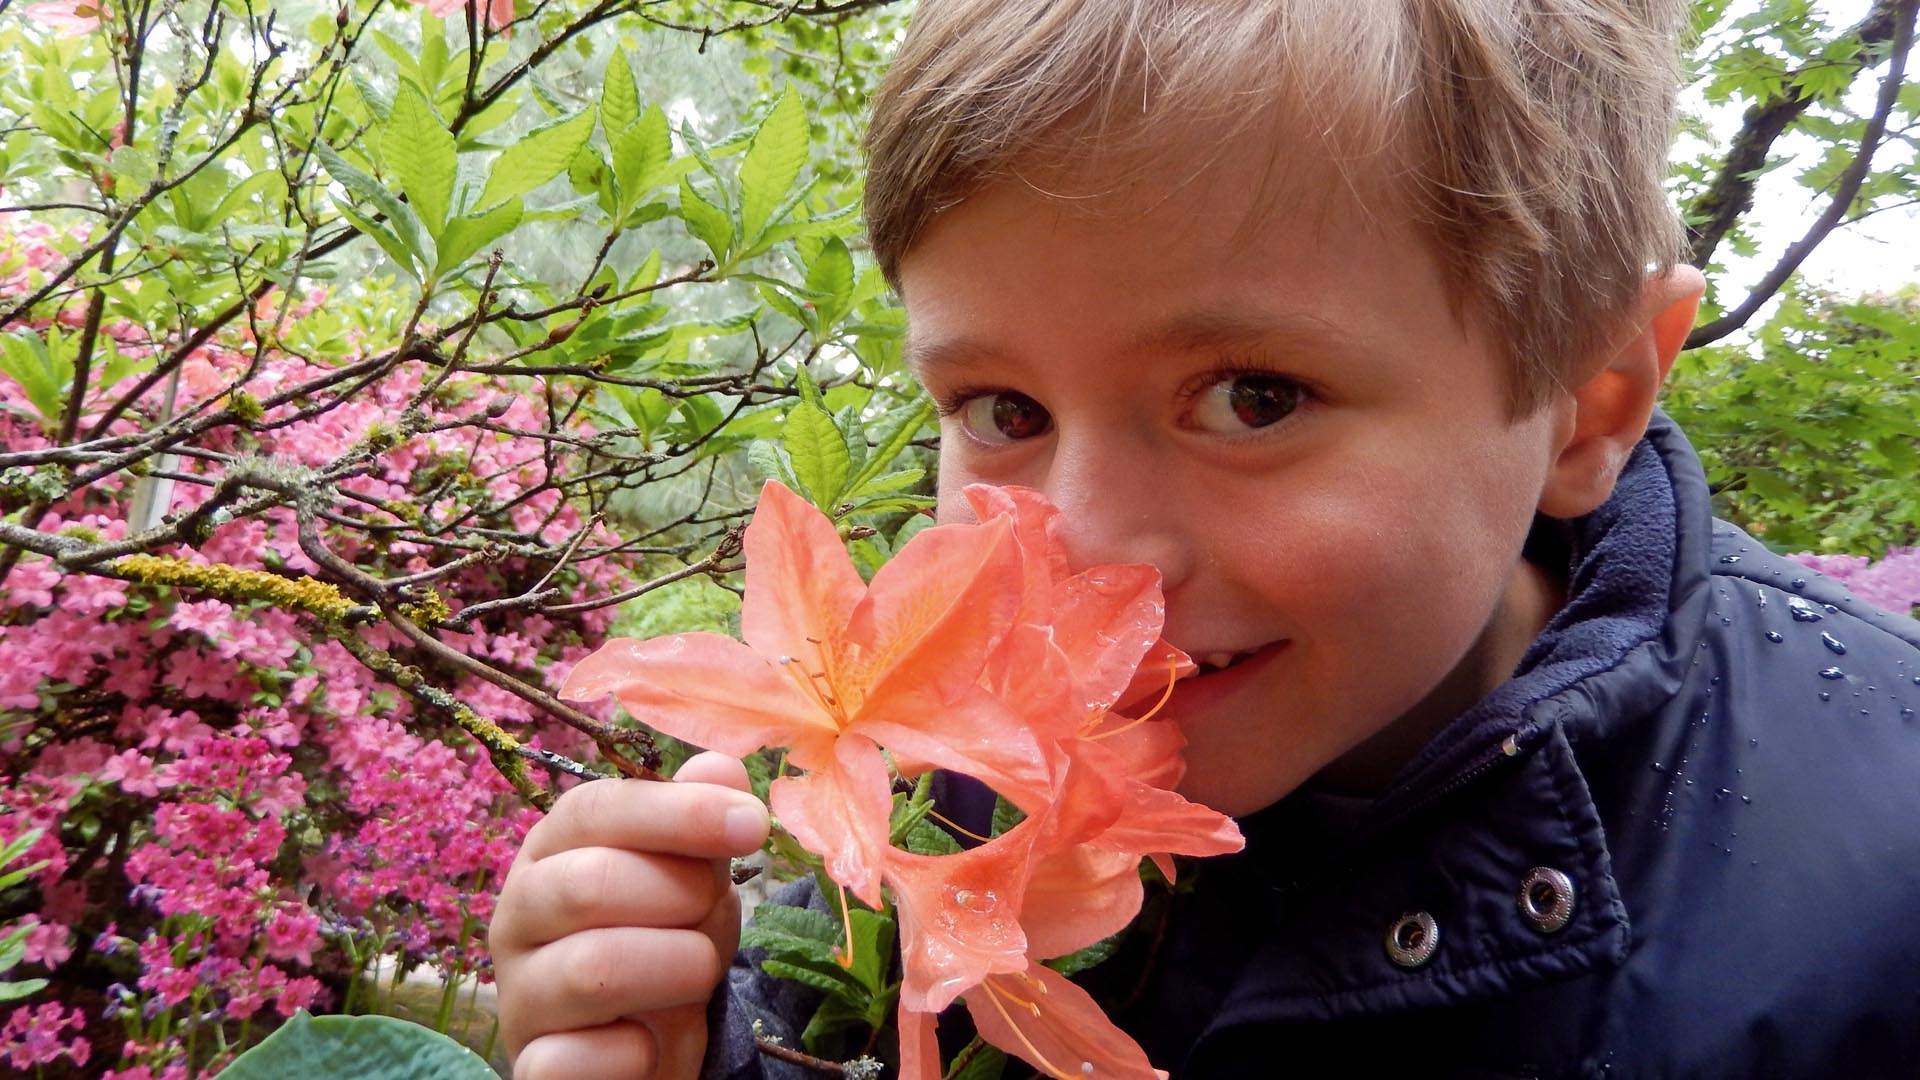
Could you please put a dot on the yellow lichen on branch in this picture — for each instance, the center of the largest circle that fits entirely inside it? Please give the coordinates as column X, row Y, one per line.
column 233, row 583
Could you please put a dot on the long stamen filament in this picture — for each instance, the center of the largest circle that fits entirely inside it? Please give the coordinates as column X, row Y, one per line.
column 993, row 995
column 1173, row 676
column 844, row 957
column 956, row 826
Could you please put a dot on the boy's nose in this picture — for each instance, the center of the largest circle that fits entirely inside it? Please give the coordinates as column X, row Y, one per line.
column 1118, row 510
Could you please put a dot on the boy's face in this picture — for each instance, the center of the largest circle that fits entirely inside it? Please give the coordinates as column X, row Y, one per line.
column 1280, row 412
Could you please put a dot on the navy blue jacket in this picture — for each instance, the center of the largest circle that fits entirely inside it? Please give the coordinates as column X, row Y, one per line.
column 1682, row 841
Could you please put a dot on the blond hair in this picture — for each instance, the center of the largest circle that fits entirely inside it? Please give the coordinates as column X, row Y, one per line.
column 1529, row 136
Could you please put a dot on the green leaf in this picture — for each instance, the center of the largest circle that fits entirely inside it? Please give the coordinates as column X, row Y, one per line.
column 1075, row 962
column 640, row 154
column 983, row 1062
column 831, row 276
column 404, row 223
column 835, row 982
column 904, row 427
column 417, row 149
column 796, row 922
column 926, row 838
column 773, row 163
column 14, row 991
column 770, row 461
column 537, row 158
column 707, row 222
column 818, row 452
column 362, row 1047
column 395, row 248
column 619, row 97
column 466, row 235
column 43, row 378
column 872, row 948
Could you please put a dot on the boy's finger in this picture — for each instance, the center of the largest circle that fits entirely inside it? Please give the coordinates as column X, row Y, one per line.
column 680, row 1041
column 589, row 888
column 622, row 1050
column 595, row 977
column 711, row 767
column 701, row 820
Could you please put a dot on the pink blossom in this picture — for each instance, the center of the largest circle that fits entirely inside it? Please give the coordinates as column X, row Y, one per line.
column 34, row 1036
column 68, row 17
column 133, row 771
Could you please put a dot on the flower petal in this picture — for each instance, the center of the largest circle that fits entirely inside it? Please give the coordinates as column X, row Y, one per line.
column 801, row 586
column 1078, row 897
column 932, row 615
column 840, row 813
column 975, row 734
column 959, row 916
column 1056, row 1027
column 1105, row 620
column 706, row 689
column 919, row 1046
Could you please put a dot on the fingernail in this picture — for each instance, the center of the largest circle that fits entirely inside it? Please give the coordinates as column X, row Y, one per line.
column 745, row 827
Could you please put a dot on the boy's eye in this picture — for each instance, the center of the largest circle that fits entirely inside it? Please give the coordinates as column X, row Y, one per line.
column 1240, row 402
column 1005, row 417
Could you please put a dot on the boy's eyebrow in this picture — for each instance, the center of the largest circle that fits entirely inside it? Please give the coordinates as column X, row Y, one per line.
column 1188, row 332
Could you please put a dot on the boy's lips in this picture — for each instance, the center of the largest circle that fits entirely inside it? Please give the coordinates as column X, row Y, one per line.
column 1198, row 693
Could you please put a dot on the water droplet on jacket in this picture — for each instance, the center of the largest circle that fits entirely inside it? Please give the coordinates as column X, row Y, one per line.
column 1748, row 799
column 1864, row 712
column 1657, row 767
column 1799, row 583
column 1761, row 595
column 1906, row 713
column 1753, row 742
column 1832, row 643
column 1722, row 793
column 1724, row 621
column 1824, row 696
column 1775, row 637
column 1831, row 610
column 1729, row 558
column 1832, row 673
column 1803, row 611
column 1916, row 680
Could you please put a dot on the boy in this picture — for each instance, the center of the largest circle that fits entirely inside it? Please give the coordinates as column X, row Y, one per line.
column 1350, row 318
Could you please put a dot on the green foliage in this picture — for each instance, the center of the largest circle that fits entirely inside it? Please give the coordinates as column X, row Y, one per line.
column 357, row 1048
column 13, row 945
column 1809, row 436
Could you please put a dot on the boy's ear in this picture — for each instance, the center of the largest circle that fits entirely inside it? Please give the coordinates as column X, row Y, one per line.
column 1605, row 413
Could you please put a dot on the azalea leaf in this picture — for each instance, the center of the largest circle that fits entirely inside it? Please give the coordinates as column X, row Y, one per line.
column 772, row 164
column 707, row 222
column 417, row 150
column 818, row 453
column 900, row 430
column 538, row 157
column 978, row 1061
column 926, row 838
column 795, row 922
column 872, row 949
column 833, row 982
column 836, row 1015
column 893, row 481
column 1006, row 815
column 619, row 97
column 1097, row 953
column 466, row 235
column 770, row 461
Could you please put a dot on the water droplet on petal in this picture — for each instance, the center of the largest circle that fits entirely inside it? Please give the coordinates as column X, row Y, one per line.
column 1832, row 643
column 1832, row 673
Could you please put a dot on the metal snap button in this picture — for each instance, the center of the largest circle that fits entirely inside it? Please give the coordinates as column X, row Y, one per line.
column 1546, row 899
column 1412, row 938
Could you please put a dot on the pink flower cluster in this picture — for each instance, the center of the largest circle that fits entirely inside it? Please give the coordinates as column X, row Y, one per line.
column 235, row 811
column 1892, row 582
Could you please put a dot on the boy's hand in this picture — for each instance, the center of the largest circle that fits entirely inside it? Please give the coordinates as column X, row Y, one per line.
column 617, row 921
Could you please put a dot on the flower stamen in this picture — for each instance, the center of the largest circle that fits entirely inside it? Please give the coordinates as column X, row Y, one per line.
column 956, row 826
column 845, row 957
column 994, row 994
column 1173, row 676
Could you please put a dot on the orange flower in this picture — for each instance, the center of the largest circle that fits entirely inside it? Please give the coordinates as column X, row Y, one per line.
column 834, row 669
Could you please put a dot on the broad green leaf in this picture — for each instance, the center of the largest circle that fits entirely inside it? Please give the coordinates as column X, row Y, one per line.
column 770, row 461
column 981, row 1062
column 905, row 425
column 835, row 982
column 831, row 276
column 772, row 164
column 619, row 97
column 395, row 248
column 893, row 481
column 796, row 922
column 818, row 453
column 417, row 149
column 707, row 222
column 639, row 154
column 405, row 224
column 537, row 158
column 362, row 1047
column 872, row 948
column 14, row 991
column 466, row 235
column 42, row 377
